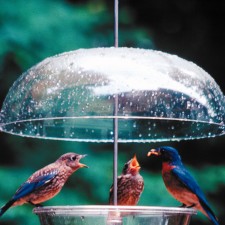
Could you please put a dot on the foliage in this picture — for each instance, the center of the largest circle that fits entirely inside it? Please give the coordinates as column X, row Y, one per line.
column 34, row 30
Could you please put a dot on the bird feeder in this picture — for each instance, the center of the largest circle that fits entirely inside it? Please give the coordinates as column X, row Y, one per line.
column 114, row 95
column 71, row 96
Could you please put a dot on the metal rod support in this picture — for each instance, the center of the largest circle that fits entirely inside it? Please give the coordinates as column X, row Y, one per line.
column 115, row 157
column 115, row 121
column 116, row 23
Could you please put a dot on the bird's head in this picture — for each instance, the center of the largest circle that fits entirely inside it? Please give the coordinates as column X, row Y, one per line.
column 167, row 153
column 132, row 166
column 72, row 160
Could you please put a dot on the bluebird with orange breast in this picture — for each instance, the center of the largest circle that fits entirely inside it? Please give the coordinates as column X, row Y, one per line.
column 180, row 183
column 130, row 184
column 45, row 183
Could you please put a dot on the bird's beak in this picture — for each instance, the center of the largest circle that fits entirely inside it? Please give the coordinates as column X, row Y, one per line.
column 80, row 164
column 134, row 163
column 153, row 152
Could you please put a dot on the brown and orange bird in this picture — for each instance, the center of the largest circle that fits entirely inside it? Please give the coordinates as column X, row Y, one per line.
column 45, row 183
column 130, row 184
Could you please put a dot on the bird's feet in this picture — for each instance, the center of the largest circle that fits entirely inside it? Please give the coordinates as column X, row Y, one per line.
column 36, row 205
column 187, row 206
column 191, row 206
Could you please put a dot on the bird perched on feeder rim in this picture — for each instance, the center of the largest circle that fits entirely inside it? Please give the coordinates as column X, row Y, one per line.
column 180, row 183
column 130, row 184
column 45, row 183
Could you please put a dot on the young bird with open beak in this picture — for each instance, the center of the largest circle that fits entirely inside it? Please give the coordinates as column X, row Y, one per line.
column 45, row 183
column 130, row 184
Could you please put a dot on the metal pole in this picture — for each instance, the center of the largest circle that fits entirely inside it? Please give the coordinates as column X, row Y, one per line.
column 115, row 121
column 116, row 23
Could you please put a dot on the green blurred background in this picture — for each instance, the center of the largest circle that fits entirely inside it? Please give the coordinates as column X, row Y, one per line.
column 33, row 30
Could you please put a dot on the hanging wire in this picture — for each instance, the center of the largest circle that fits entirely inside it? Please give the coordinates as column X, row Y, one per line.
column 116, row 23
column 115, row 121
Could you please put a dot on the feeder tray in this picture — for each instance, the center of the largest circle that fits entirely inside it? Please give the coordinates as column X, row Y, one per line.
column 111, row 215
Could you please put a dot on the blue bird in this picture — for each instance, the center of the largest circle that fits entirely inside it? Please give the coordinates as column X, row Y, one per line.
column 180, row 183
column 45, row 183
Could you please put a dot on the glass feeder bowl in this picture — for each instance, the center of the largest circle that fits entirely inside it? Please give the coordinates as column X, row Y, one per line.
column 114, row 215
column 70, row 96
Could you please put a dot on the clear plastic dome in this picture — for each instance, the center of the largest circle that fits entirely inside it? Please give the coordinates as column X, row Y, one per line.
column 71, row 97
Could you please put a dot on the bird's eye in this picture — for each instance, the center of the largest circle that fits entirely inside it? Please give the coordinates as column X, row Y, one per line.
column 73, row 158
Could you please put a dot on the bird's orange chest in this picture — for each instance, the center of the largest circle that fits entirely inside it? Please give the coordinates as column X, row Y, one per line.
column 166, row 167
column 129, row 189
column 167, row 175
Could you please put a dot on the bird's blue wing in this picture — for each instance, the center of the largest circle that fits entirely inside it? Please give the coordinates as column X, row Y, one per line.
column 187, row 180
column 190, row 183
column 28, row 187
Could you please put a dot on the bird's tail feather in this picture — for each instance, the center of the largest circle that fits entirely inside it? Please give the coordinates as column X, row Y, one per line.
column 6, row 206
column 213, row 218
column 209, row 213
